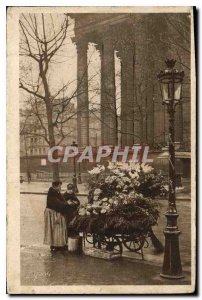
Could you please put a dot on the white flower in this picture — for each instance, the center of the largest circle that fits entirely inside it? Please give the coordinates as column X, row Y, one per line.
column 97, row 170
column 95, row 198
column 108, row 207
column 146, row 168
column 105, row 199
column 111, row 166
column 103, row 211
column 124, row 166
column 132, row 195
column 120, row 182
column 89, row 206
column 139, row 196
column 116, row 172
column 97, row 192
column 116, row 202
column 82, row 212
column 121, row 196
column 126, row 180
column 110, row 179
column 133, row 175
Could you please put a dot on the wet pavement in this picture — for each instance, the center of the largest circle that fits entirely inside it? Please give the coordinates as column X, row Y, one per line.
column 40, row 267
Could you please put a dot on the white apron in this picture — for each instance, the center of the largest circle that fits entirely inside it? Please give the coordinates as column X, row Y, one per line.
column 55, row 231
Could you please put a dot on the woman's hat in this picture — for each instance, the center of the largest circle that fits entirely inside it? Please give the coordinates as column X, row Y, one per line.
column 56, row 183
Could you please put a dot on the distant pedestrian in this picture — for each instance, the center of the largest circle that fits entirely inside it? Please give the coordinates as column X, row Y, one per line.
column 55, row 233
column 29, row 177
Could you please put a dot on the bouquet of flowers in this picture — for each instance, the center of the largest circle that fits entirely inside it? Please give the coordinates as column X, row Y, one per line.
column 106, row 182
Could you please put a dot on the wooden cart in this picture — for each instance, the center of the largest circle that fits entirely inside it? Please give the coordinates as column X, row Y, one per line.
column 115, row 242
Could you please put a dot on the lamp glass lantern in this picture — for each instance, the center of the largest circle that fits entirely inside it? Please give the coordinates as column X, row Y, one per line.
column 171, row 83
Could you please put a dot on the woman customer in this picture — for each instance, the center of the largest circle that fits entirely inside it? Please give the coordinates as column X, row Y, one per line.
column 55, row 222
column 73, row 204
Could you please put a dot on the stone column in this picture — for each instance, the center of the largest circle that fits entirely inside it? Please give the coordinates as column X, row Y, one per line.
column 108, row 95
column 127, row 96
column 124, row 110
column 149, row 110
column 82, row 94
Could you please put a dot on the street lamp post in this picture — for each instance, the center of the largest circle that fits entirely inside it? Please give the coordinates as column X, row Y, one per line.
column 79, row 175
column 171, row 84
column 74, row 179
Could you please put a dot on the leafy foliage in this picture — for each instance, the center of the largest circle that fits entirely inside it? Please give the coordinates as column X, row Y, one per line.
column 139, row 214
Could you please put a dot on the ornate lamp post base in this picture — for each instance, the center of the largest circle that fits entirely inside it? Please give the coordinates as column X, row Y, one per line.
column 172, row 268
column 171, row 84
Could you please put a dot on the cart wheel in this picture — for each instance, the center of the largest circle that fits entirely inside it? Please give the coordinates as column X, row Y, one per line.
column 134, row 243
column 112, row 244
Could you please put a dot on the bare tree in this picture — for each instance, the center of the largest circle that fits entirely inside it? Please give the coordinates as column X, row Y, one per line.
column 41, row 42
column 49, row 105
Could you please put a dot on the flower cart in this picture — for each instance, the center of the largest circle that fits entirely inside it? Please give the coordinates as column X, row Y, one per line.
column 118, row 212
column 126, row 224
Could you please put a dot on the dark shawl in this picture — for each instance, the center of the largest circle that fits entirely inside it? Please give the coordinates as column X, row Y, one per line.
column 56, row 201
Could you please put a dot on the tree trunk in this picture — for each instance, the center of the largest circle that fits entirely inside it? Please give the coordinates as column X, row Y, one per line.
column 49, row 112
column 55, row 165
column 56, row 172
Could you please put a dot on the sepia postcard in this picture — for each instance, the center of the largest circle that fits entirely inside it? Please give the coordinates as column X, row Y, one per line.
column 101, row 143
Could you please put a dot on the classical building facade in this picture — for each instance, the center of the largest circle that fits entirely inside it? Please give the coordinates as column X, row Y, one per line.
column 138, row 42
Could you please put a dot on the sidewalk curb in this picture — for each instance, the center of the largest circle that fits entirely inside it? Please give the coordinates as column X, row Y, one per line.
column 140, row 260
column 154, row 263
